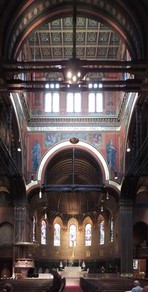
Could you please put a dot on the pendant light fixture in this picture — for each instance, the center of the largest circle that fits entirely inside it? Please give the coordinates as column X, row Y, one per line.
column 73, row 73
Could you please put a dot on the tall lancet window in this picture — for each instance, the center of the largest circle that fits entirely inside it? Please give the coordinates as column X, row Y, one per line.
column 72, row 235
column 101, row 232
column 57, row 234
column 88, row 234
column 43, row 232
column 111, row 230
column 34, row 228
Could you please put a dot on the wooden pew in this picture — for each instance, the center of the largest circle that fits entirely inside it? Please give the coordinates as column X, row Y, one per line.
column 109, row 285
column 30, row 284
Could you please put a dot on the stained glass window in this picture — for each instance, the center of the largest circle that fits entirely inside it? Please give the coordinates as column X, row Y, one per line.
column 43, row 232
column 57, row 234
column 88, row 235
column 72, row 233
column 111, row 230
column 101, row 232
column 34, row 229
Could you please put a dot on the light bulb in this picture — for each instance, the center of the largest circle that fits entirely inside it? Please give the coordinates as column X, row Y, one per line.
column 107, row 196
column 40, row 194
column 116, row 175
column 128, row 149
column 74, row 78
column 69, row 74
column 79, row 74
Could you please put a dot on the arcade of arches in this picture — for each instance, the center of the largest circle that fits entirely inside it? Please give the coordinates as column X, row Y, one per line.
column 74, row 154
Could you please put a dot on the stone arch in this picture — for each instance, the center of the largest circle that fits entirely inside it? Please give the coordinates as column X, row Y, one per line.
column 97, row 155
column 111, row 13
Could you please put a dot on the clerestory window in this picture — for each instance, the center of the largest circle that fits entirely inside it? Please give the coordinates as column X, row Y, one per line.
column 52, row 100
column 73, row 102
column 95, row 102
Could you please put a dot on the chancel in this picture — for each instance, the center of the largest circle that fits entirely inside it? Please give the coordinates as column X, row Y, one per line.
column 73, row 144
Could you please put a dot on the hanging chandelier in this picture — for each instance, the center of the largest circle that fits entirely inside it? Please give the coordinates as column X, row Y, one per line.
column 73, row 72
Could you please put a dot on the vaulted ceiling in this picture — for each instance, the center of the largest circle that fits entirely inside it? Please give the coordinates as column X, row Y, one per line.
column 35, row 30
column 94, row 40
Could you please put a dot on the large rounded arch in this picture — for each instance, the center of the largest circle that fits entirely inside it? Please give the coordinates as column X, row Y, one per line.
column 67, row 144
column 38, row 12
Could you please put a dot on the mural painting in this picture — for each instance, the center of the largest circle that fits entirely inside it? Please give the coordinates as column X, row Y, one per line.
column 42, row 142
column 36, row 155
column 95, row 139
column 50, row 139
column 111, row 155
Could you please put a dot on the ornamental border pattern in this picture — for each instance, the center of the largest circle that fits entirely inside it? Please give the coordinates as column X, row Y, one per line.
column 41, row 7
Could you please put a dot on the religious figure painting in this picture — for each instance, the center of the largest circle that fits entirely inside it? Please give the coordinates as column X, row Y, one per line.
column 36, row 155
column 95, row 139
column 111, row 155
column 50, row 139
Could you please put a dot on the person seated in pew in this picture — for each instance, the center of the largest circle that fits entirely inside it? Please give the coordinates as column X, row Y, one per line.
column 7, row 287
column 57, row 281
column 137, row 287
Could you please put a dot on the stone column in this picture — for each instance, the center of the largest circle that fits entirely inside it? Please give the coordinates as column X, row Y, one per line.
column 22, row 241
column 21, row 221
column 126, row 238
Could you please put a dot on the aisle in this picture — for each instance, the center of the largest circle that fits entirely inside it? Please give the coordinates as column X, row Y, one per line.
column 73, row 289
column 72, row 285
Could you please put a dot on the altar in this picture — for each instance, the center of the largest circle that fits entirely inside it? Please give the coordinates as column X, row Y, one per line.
column 45, row 276
column 73, row 272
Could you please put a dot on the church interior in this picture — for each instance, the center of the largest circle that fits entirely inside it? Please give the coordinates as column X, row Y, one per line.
column 73, row 137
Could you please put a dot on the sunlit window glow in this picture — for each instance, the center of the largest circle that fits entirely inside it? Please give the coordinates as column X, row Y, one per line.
column 88, row 235
column 52, row 100
column 57, row 234
column 72, row 235
column 73, row 102
column 34, row 228
column 43, row 232
column 101, row 232
column 95, row 102
column 111, row 230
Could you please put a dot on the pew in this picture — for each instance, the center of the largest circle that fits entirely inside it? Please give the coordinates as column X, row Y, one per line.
column 108, row 284
column 28, row 284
